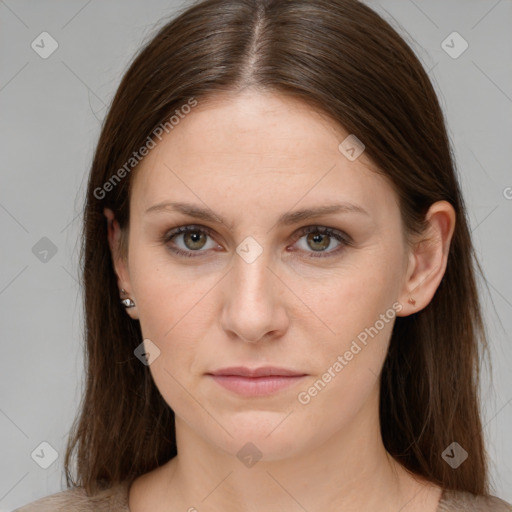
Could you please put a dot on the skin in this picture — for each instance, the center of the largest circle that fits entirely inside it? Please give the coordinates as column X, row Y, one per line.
column 249, row 158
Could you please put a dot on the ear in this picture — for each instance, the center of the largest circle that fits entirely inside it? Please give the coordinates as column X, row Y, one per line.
column 119, row 262
column 428, row 259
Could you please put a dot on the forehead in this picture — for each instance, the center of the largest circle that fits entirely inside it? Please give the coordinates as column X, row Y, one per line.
column 257, row 149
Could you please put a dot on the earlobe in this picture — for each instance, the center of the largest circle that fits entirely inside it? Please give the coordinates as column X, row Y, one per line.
column 428, row 259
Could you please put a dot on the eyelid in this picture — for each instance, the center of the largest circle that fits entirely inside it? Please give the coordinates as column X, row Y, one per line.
column 343, row 238
column 319, row 228
column 180, row 230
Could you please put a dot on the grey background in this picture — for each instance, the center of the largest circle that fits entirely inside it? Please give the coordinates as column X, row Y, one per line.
column 51, row 111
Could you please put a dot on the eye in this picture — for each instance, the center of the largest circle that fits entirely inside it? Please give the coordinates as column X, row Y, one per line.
column 192, row 238
column 187, row 240
column 319, row 238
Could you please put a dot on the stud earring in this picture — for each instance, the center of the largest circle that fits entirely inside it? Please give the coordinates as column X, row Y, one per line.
column 412, row 301
column 127, row 303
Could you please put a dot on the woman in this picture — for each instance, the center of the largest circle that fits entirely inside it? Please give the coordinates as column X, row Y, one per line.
column 280, row 295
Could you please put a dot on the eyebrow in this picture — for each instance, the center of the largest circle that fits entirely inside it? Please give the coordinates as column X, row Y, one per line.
column 286, row 219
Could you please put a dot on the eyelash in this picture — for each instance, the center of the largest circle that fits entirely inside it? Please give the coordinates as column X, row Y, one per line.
column 343, row 238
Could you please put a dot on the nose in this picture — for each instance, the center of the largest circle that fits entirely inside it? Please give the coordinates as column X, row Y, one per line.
column 254, row 301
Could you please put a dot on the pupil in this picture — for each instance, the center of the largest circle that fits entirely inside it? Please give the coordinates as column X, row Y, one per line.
column 194, row 240
column 320, row 239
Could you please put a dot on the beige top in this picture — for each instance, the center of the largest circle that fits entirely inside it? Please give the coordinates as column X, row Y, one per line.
column 116, row 500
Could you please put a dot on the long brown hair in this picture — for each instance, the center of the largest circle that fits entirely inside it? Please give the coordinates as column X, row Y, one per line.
column 344, row 59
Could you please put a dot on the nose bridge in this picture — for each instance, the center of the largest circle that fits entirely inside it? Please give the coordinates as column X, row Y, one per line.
column 251, row 307
column 252, row 282
column 253, row 256
column 251, row 277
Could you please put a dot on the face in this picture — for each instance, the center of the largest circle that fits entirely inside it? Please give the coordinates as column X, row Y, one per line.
column 316, row 295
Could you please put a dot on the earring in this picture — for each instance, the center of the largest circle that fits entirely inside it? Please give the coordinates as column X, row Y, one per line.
column 412, row 301
column 127, row 303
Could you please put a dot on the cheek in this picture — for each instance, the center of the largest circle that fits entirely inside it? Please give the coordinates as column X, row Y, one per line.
column 168, row 297
column 352, row 297
column 172, row 304
column 357, row 306
column 348, row 375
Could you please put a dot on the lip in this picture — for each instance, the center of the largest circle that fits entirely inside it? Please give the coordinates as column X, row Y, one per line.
column 256, row 382
column 263, row 371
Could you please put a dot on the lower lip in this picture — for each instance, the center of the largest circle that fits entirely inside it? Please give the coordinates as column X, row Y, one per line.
column 256, row 386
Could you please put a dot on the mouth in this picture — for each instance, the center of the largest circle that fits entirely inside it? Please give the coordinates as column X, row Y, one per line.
column 256, row 382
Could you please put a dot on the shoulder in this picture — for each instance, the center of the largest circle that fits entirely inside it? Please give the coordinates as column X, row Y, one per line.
column 114, row 499
column 460, row 501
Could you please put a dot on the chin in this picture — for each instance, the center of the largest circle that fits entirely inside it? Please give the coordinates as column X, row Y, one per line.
column 263, row 436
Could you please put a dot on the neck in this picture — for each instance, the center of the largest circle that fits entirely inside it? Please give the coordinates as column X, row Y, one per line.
column 349, row 471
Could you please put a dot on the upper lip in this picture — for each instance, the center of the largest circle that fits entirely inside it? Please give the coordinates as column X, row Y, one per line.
column 263, row 371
